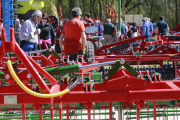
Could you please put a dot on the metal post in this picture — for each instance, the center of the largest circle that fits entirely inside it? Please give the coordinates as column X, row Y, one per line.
column 89, row 111
column 8, row 20
column 0, row 11
column 119, row 14
column 120, row 111
column 60, row 110
column 110, row 110
column 94, row 114
column 67, row 110
column 23, row 112
column 175, row 63
column 138, row 111
column 11, row 14
column 52, row 112
column 40, row 114
column 154, row 109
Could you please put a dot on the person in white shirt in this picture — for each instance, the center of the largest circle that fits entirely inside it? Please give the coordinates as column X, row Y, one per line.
column 29, row 33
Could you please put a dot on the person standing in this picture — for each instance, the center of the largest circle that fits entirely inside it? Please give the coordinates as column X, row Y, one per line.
column 124, row 28
column 154, row 25
column 22, row 21
column 162, row 26
column 100, row 29
column 150, row 25
column 29, row 33
column 17, row 31
column 74, row 34
column 134, row 30
column 108, row 31
column 47, row 33
column 88, row 18
column 145, row 29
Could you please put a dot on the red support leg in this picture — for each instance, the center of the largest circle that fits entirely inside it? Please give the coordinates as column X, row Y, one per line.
column 93, row 115
column 118, row 113
column 110, row 110
column 167, row 113
column 105, row 112
column 52, row 112
column 81, row 112
column 154, row 109
column 159, row 117
column 67, row 110
column 23, row 112
column 89, row 112
column 138, row 111
column 99, row 114
column 148, row 111
column 176, row 68
column 40, row 114
column 60, row 110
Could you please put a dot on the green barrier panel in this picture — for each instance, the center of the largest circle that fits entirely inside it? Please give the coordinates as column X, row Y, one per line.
column 134, row 113
column 11, row 54
column 1, row 75
column 51, row 51
column 130, row 69
column 36, row 115
column 63, row 70
column 157, row 115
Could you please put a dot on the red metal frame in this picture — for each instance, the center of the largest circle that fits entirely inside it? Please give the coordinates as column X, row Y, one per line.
column 112, row 12
column 121, row 87
column 60, row 11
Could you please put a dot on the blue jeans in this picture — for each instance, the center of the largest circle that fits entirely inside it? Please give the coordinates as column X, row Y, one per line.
column 74, row 56
column 147, row 38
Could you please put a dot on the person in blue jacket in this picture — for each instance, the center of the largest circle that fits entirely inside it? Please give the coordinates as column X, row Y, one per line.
column 146, row 29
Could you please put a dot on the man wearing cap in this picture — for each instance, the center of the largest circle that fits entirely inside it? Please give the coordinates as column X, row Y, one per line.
column 29, row 33
column 17, row 31
column 74, row 34
column 146, row 29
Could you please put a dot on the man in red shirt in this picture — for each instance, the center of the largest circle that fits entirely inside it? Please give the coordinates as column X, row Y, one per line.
column 74, row 34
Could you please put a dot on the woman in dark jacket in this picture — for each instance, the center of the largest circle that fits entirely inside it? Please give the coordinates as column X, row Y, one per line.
column 47, row 35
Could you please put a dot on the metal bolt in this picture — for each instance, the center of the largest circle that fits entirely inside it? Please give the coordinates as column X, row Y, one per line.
column 28, row 75
column 7, row 76
column 50, row 50
column 122, row 62
column 106, row 78
column 138, row 76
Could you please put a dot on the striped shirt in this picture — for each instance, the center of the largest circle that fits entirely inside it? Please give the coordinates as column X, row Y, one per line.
column 27, row 31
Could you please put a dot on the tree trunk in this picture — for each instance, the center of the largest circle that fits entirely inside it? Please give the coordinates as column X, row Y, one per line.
column 100, row 9
column 90, row 7
column 151, row 8
column 71, row 6
column 176, row 12
column 127, row 3
column 94, row 13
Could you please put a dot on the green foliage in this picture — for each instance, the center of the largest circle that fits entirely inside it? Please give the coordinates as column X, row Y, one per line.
column 147, row 8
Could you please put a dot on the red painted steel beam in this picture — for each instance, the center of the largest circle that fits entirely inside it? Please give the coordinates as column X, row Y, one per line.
column 42, row 71
column 31, row 70
column 102, row 96
column 154, row 109
column 98, row 51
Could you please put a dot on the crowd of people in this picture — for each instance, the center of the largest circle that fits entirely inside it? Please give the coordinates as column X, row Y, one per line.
column 36, row 33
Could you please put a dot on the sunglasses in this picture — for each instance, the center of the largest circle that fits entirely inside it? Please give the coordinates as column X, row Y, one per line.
column 44, row 18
